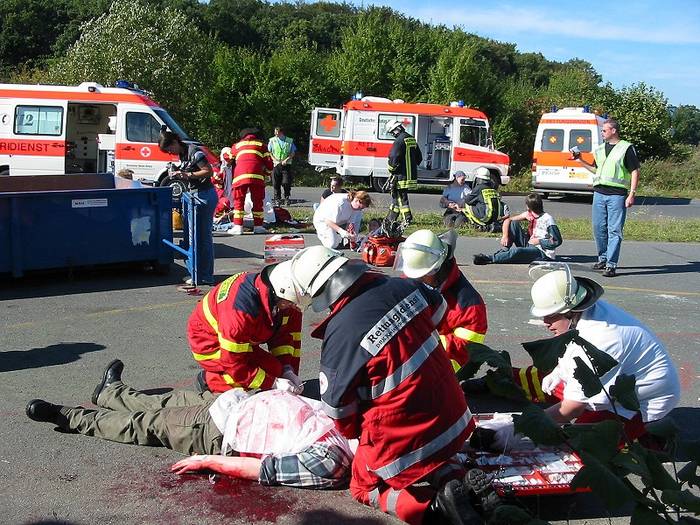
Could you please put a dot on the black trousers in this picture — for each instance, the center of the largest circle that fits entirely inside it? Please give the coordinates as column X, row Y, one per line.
column 282, row 180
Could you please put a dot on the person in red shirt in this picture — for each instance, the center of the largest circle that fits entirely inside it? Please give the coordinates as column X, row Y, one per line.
column 252, row 164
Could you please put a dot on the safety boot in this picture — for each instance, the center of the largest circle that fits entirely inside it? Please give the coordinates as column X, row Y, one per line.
column 111, row 374
column 480, row 486
column 452, row 505
column 40, row 410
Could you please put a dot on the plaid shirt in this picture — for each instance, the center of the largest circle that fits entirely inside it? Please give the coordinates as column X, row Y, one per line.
column 323, row 465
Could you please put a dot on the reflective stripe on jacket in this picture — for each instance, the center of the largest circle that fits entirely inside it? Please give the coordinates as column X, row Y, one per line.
column 228, row 326
column 253, row 161
column 403, row 161
column 610, row 169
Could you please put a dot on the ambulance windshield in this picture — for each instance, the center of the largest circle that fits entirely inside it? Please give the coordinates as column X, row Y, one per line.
column 171, row 123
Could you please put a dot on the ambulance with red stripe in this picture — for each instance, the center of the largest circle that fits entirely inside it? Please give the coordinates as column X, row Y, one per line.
column 354, row 143
column 84, row 129
column 553, row 168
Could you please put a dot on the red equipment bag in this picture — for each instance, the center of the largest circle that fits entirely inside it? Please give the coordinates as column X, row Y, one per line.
column 380, row 250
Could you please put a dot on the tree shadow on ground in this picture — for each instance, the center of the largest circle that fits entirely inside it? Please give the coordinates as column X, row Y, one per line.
column 689, row 267
column 51, row 355
column 324, row 517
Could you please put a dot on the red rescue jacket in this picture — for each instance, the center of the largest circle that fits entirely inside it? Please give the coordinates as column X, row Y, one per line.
column 253, row 161
column 465, row 319
column 228, row 326
column 387, row 379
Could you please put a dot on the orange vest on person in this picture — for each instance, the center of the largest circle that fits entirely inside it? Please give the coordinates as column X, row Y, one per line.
column 229, row 324
column 253, row 161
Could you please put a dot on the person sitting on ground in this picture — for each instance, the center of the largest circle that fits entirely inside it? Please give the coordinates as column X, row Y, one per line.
column 304, row 451
column 518, row 246
column 483, row 205
column 452, row 200
column 564, row 303
column 374, row 228
column 337, row 215
column 429, row 258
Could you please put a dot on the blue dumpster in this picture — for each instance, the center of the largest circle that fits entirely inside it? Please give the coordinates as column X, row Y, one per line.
column 65, row 221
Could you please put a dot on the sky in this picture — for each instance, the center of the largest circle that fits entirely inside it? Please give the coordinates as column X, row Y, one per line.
column 627, row 42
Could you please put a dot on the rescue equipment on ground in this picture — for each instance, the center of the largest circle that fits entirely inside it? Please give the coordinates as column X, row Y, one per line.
column 380, row 248
column 282, row 247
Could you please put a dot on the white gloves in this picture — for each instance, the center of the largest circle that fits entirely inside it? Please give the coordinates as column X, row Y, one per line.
column 551, row 381
column 287, row 386
column 288, row 373
column 344, row 234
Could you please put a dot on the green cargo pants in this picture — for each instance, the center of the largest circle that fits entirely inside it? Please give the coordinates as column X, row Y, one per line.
column 178, row 420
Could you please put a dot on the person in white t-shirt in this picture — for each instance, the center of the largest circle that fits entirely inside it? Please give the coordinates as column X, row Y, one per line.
column 565, row 302
column 338, row 217
column 518, row 246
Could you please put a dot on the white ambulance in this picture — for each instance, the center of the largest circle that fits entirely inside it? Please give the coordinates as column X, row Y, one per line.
column 353, row 142
column 553, row 168
column 84, row 129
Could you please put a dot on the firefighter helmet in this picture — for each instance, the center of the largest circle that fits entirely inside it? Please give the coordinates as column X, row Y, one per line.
column 311, row 268
column 482, row 173
column 393, row 125
column 422, row 253
column 280, row 276
column 558, row 292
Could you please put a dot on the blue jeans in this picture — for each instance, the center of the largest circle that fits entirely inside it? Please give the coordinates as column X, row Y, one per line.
column 205, row 237
column 609, row 214
column 519, row 251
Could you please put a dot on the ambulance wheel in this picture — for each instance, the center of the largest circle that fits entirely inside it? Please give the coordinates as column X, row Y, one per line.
column 378, row 184
column 545, row 195
column 4, row 172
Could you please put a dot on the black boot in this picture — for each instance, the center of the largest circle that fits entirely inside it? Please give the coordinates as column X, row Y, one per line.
column 200, row 382
column 481, row 259
column 40, row 410
column 483, row 495
column 452, row 505
column 112, row 374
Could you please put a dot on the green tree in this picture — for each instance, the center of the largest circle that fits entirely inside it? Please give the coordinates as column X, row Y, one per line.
column 149, row 46
column 686, row 125
column 642, row 113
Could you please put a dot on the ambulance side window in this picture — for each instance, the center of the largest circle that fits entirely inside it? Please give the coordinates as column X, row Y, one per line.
column 38, row 120
column 142, row 127
column 408, row 121
column 553, row 140
column 580, row 138
column 327, row 124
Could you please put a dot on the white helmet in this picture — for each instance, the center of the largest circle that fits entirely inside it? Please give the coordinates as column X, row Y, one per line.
column 558, row 292
column 280, row 276
column 311, row 268
column 392, row 125
column 225, row 155
column 422, row 253
column 482, row 173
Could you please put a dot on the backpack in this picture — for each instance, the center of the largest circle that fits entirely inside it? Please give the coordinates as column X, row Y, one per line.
column 380, row 250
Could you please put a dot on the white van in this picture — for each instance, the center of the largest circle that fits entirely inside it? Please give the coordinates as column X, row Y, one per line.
column 354, row 143
column 553, row 169
column 84, row 129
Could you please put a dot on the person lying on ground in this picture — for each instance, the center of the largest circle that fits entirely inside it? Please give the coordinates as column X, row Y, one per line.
column 304, row 451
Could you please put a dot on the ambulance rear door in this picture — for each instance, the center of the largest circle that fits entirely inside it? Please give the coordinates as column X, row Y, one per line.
column 138, row 131
column 326, row 130
column 36, row 140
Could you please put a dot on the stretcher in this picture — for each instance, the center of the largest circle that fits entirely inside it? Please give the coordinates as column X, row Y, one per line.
column 528, row 469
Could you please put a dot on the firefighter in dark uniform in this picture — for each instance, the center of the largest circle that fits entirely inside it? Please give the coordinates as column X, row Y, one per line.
column 403, row 161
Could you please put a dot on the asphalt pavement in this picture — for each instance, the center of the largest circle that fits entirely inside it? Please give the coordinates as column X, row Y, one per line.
column 59, row 330
column 570, row 206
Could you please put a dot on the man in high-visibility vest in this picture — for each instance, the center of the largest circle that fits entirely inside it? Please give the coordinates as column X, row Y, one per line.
column 403, row 161
column 230, row 324
column 282, row 149
column 615, row 178
column 252, row 164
